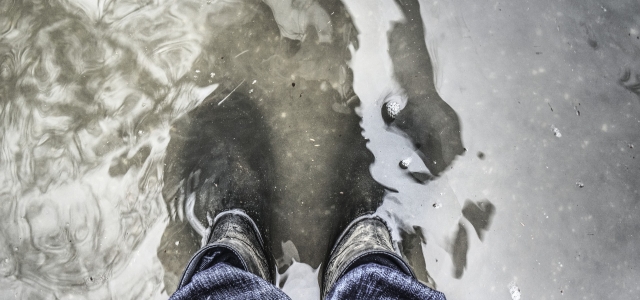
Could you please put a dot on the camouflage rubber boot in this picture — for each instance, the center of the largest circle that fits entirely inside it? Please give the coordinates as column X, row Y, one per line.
column 235, row 231
column 365, row 236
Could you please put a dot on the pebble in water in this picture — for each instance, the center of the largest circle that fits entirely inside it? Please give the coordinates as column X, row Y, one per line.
column 404, row 164
column 393, row 108
column 390, row 111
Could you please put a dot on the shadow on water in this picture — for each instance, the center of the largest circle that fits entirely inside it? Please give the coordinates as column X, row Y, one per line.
column 434, row 129
column 283, row 141
column 223, row 155
column 279, row 137
column 429, row 122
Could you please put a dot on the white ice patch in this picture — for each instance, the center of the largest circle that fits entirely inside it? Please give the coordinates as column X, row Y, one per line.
column 514, row 290
column 301, row 281
column 556, row 131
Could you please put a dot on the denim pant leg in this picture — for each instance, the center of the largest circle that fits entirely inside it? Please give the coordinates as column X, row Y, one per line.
column 220, row 276
column 378, row 278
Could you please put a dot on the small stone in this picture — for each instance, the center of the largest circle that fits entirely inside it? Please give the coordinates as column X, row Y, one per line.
column 437, row 205
column 404, row 164
column 579, row 184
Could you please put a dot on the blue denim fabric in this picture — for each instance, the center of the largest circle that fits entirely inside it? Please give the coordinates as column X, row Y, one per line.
column 220, row 276
column 375, row 281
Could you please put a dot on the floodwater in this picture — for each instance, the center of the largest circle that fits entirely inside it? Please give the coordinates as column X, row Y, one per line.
column 498, row 140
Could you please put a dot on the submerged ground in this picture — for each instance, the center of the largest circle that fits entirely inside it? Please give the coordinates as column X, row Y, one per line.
column 509, row 171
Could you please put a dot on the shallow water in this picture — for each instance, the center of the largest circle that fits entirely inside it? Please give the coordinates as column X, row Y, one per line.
column 497, row 139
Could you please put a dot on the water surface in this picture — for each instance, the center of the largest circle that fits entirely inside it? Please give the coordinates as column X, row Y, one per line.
column 497, row 139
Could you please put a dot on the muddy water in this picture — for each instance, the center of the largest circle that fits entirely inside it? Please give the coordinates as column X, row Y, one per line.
column 496, row 139
column 127, row 126
column 284, row 139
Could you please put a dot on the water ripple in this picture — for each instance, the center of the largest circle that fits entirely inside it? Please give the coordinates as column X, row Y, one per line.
column 86, row 111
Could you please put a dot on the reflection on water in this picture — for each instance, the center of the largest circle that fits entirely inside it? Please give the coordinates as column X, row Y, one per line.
column 87, row 103
column 281, row 141
column 121, row 117
column 430, row 123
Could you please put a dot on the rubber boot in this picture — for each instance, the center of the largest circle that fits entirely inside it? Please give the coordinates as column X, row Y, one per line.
column 234, row 230
column 366, row 237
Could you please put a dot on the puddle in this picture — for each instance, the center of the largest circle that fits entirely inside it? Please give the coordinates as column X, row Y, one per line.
column 480, row 133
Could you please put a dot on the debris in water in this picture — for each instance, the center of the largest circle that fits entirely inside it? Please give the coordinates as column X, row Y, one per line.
column 393, row 108
column 480, row 155
column 404, row 164
column 579, row 184
column 556, row 132
column 243, row 52
column 514, row 290
column 225, row 98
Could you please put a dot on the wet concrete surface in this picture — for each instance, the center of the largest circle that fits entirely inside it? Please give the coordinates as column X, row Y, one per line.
column 497, row 139
column 550, row 130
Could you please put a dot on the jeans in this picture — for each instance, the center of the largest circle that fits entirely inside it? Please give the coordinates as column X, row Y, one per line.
column 220, row 276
